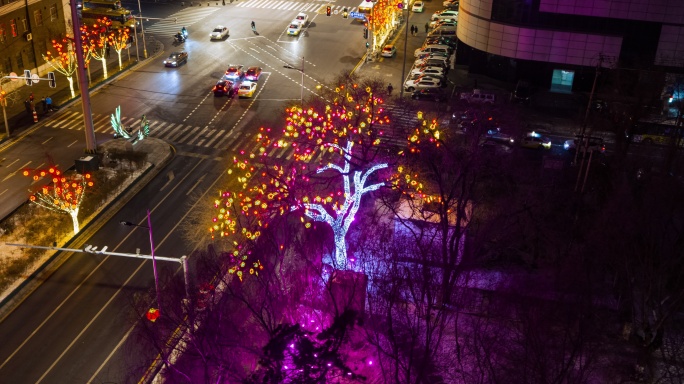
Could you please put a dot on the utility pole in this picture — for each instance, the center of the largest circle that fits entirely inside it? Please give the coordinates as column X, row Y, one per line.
column 91, row 145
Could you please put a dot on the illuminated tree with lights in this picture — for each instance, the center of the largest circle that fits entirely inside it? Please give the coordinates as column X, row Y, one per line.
column 118, row 38
column 344, row 133
column 95, row 40
column 65, row 193
column 64, row 61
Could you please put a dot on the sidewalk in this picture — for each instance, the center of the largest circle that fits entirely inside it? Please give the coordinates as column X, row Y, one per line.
column 19, row 120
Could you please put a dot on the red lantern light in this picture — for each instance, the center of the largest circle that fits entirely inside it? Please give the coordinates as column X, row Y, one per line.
column 152, row 314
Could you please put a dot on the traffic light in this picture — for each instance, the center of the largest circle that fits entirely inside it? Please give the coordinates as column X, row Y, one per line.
column 51, row 80
column 365, row 33
column 345, row 13
column 328, row 10
column 3, row 98
column 367, row 45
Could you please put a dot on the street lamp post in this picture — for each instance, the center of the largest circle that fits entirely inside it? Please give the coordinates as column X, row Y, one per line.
column 403, row 67
column 154, row 261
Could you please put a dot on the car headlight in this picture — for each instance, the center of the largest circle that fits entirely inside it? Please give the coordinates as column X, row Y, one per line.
column 566, row 146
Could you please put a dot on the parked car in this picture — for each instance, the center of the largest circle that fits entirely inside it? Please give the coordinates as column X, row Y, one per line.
column 534, row 140
column 234, row 72
column 302, row 18
column 433, row 61
column 443, row 31
column 442, row 40
column 388, row 50
column 448, row 22
column 430, row 71
column 224, row 87
column 452, row 5
column 253, row 73
column 421, row 83
column 434, row 94
column 593, row 144
column 176, row 58
column 219, row 33
column 418, row 6
column 247, row 89
column 294, row 29
column 432, row 49
column 522, row 92
column 478, row 97
column 444, row 14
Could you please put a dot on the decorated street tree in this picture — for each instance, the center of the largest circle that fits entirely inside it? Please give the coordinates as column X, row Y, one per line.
column 344, row 134
column 64, row 194
column 95, row 40
column 118, row 39
column 64, row 61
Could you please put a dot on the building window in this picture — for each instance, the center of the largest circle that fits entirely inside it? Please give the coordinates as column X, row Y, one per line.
column 53, row 13
column 13, row 26
column 25, row 24
column 20, row 60
column 561, row 81
column 38, row 15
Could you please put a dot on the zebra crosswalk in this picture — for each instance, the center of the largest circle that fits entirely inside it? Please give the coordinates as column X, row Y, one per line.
column 292, row 6
column 184, row 18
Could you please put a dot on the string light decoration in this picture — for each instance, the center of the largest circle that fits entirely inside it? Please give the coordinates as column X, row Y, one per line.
column 95, row 40
column 64, row 61
column 64, row 194
column 342, row 131
column 345, row 136
column 118, row 39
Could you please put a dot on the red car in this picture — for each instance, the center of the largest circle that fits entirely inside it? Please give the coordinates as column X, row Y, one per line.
column 234, row 72
column 253, row 73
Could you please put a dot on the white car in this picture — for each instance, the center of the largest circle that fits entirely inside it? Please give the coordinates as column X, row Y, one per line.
column 421, row 83
column 534, row 140
column 388, row 50
column 445, row 13
column 219, row 33
column 432, row 59
column 418, row 6
column 247, row 89
column 301, row 18
column 429, row 71
column 450, row 3
column 294, row 29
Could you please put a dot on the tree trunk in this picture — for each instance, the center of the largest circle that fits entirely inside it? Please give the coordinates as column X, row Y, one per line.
column 74, row 219
column 103, row 59
column 71, row 86
column 340, row 246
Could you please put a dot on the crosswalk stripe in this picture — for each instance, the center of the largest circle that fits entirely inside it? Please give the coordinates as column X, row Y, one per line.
column 185, row 135
column 186, row 17
column 158, row 127
column 199, row 135
column 290, row 5
column 66, row 119
column 167, row 130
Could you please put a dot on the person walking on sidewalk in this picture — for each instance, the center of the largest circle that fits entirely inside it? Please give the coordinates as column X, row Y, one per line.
column 48, row 102
column 427, row 27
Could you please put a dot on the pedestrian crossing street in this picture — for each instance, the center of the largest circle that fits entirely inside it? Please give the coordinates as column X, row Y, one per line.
column 184, row 18
column 205, row 136
column 292, row 6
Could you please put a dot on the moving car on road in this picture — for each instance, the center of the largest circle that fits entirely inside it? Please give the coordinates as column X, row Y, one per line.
column 302, row 18
column 592, row 144
column 389, row 51
column 294, row 29
column 234, row 72
column 224, row 87
column 253, row 73
column 247, row 89
column 534, row 140
column 176, row 59
column 418, row 6
column 219, row 33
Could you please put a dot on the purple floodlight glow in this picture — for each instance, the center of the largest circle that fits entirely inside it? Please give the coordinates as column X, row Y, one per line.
column 292, row 345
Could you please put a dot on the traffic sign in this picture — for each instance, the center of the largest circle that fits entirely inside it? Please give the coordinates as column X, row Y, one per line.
column 357, row 15
column 13, row 76
column 27, row 77
column 35, row 78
